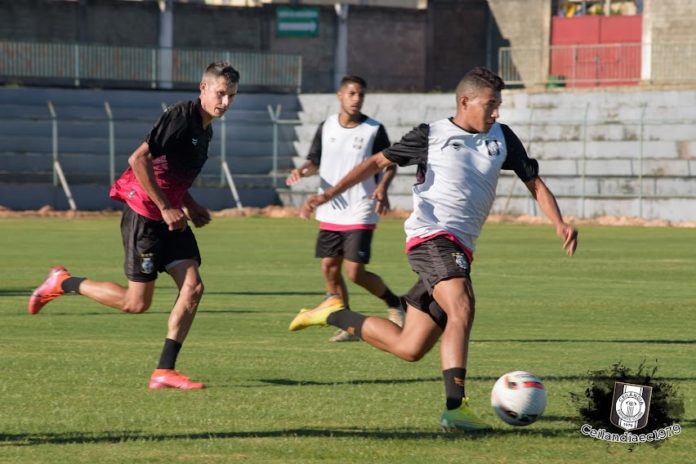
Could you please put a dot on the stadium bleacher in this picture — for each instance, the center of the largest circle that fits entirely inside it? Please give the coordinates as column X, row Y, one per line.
column 26, row 143
column 602, row 152
column 609, row 152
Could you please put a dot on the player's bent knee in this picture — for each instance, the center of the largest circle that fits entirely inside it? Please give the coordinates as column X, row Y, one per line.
column 353, row 276
column 356, row 275
column 136, row 307
column 411, row 354
column 193, row 291
column 462, row 314
column 331, row 272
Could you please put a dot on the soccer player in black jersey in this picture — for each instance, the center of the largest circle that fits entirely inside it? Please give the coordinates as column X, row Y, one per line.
column 154, row 226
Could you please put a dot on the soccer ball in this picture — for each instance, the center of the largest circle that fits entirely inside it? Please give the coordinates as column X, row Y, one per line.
column 518, row 398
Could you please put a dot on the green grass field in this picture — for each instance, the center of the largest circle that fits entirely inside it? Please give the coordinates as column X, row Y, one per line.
column 73, row 380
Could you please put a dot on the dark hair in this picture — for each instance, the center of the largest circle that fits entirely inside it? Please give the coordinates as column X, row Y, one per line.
column 479, row 78
column 222, row 69
column 353, row 80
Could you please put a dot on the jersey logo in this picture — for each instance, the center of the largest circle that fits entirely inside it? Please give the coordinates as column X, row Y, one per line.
column 455, row 142
column 194, row 141
column 493, row 147
column 358, row 142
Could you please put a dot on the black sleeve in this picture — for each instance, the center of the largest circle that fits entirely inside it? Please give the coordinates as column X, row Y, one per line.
column 517, row 159
column 315, row 149
column 411, row 149
column 381, row 140
column 165, row 134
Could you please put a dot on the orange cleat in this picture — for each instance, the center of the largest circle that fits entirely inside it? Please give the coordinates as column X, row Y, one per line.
column 169, row 378
column 49, row 290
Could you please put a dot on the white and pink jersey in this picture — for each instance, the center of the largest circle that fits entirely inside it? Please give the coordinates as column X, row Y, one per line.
column 337, row 150
column 457, row 177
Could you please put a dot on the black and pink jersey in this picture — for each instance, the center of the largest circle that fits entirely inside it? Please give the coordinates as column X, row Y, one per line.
column 179, row 147
column 457, row 177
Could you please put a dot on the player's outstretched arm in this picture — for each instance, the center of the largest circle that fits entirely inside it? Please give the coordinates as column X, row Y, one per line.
column 362, row 171
column 547, row 203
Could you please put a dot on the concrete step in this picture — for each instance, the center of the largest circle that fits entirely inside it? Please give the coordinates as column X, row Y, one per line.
column 608, row 150
column 603, row 186
column 91, row 164
column 618, row 167
column 675, row 209
column 95, row 197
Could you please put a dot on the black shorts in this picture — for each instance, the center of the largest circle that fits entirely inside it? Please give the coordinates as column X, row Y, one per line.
column 435, row 260
column 353, row 245
column 149, row 246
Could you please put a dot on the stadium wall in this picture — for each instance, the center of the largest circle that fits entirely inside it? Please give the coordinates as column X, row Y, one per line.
column 617, row 152
column 611, row 152
column 396, row 49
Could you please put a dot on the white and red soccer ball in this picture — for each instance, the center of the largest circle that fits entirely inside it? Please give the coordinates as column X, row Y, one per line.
column 518, row 398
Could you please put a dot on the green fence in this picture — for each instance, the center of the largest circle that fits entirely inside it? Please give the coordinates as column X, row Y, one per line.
column 79, row 64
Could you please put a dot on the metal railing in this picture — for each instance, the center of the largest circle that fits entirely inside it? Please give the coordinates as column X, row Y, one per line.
column 596, row 65
column 48, row 156
column 77, row 63
column 275, row 114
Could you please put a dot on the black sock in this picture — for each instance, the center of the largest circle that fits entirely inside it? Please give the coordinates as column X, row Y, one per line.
column 72, row 284
column 169, row 354
column 392, row 300
column 454, row 386
column 347, row 320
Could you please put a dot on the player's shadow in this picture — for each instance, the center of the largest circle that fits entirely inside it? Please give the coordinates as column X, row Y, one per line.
column 35, row 439
column 481, row 378
column 16, row 292
column 285, row 293
column 591, row 341
column 308, row 383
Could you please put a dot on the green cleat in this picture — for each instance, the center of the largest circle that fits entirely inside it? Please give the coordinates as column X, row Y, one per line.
column 317, row 316
column 462, row 419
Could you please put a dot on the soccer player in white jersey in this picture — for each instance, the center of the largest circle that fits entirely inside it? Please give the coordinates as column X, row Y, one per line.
column 346, row 224
column 459, row 160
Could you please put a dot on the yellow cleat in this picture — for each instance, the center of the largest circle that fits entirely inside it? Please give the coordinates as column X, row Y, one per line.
column 462, row 419
column 317, row 316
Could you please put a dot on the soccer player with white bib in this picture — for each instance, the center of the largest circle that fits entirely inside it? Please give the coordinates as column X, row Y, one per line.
column 459, row 161
column 346, row 223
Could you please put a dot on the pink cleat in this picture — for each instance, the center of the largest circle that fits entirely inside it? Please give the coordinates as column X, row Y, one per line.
column 49, row 290
column 169, row 378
